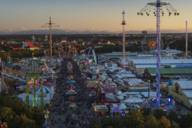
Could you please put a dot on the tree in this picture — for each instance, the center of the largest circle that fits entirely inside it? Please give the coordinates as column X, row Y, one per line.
column 96, row 124
column 152, row 122
column 19, row 115
column 37, row 115
column 107, row 122
column 158, row 113
column 146, row 75
column 26, row 122
column 186, row 121
column 135, row 119
column 9, row 116
column 7, row 113
column 165, row 123
column 173, row 116
column 117, row 122
column 146, row 111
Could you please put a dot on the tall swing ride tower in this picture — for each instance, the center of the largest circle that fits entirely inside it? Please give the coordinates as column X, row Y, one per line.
column 158, row 9
column 124, row 59
column 50, row 25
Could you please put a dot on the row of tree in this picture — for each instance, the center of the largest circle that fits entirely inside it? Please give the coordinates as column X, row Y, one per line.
column 117, row 48
column 22, row 53
column 145, row 119
column 18, row 115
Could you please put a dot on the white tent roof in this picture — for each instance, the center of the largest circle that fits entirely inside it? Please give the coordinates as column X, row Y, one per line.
column 145, row 94
column 120, row 97
column 110, row 96
column 163, row 61
column 133, row 100
column 119, row 93
column 130, row 93
column 185, row 84
column 122, row 106
column 134, row 81
column 188, row 93
column 190, row 101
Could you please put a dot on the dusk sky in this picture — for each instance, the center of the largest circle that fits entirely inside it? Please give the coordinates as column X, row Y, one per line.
column 87, row 15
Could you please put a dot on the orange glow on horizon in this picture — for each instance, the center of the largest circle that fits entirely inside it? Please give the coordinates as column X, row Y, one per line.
column 90, row 16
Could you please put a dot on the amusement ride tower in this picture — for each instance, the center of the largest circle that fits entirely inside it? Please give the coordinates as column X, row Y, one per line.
column 50, row 26
column 124, row 62
column 158, row 9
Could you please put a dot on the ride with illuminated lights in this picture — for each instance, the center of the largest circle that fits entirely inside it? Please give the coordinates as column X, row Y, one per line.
column 158, row 9
column 165, row 8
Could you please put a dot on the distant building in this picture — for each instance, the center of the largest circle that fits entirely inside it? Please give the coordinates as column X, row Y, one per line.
column 30, row 45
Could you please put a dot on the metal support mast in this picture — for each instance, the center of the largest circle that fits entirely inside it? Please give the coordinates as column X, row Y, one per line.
column 186, row 38
column 123, row 32
column 50, row 37
column 158, row 53
column 50, row 26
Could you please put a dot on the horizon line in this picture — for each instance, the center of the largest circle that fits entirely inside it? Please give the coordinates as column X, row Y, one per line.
column 149, row 31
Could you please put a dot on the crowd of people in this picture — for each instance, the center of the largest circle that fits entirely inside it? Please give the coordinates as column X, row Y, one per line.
column 70, row 111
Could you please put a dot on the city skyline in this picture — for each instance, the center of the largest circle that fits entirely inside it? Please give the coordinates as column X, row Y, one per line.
column 87, row 15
